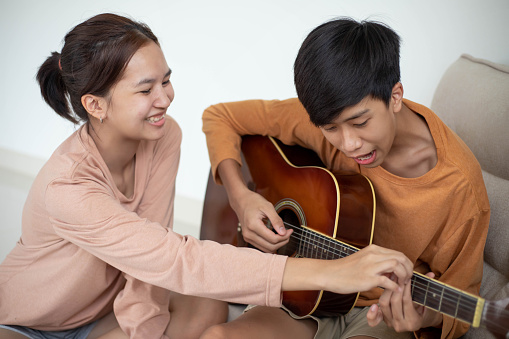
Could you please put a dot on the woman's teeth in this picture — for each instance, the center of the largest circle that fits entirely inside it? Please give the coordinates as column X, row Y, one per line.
column 155, row 119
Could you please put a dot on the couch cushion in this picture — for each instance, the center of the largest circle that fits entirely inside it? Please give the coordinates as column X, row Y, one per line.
column 472, row 98
column 496, row 252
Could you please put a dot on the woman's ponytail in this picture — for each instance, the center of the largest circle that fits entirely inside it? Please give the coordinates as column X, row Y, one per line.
column 52, row 86
column 93, row 59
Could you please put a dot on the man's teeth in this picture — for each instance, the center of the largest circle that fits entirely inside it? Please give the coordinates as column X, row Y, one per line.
column 366, row 156
column 155, row 119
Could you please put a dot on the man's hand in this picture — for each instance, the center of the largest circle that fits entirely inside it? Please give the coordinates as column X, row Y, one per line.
column 252, row 210
column 398, row 311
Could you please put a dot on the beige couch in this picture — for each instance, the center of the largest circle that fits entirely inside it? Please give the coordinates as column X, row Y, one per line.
column 473, row 99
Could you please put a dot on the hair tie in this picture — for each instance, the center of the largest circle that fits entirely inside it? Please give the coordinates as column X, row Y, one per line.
column 59, row 64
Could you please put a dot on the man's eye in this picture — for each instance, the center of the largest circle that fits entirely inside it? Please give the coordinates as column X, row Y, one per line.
column 361, row 124
column 145, row 92
column 166, row 82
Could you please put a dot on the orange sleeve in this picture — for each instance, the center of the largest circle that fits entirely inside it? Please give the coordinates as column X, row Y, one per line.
column 287, row 120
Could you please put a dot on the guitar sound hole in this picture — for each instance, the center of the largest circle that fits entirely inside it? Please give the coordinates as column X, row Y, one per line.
column 291, row 221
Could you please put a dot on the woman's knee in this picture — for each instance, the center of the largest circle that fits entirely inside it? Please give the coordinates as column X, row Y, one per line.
column 216, row 332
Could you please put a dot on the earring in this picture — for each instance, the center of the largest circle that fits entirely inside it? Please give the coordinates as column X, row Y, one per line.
column 101, row 120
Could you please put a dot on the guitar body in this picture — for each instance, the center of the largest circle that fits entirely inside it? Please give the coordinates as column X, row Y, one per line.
column 304, row 194
column 332, row 216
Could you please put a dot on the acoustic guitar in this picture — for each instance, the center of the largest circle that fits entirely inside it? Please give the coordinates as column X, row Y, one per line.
column 332, row 216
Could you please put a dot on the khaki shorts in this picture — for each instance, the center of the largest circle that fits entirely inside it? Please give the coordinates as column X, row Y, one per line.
column 352, row 324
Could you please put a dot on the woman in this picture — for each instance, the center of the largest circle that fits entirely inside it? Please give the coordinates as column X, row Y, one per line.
column 97, row 257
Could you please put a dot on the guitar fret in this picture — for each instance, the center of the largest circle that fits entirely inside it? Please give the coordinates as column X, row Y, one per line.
column 426, row 294
column 412, row 287
column 441, row 299
column 457, row 307
column 301, row 242
column 313, row 249
column 308, row 253
column 444, row 299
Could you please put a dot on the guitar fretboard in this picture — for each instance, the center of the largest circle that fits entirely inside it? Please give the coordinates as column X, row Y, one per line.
column 425, row 291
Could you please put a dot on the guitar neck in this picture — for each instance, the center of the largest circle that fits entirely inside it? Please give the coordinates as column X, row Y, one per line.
column 425, row 290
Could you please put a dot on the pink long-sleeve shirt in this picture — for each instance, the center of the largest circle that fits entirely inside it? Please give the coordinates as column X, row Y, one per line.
column 86, row 249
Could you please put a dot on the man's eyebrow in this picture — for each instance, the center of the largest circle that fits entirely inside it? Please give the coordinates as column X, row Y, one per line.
column 151, row 80
column 357, row 115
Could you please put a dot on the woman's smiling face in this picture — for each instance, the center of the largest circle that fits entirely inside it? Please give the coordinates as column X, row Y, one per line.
column 138, row 102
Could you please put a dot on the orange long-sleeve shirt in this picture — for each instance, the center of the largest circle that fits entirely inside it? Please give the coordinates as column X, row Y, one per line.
column 86, row 249
column 439, row 220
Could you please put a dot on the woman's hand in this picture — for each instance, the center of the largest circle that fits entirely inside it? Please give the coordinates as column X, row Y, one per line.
column 373, row 266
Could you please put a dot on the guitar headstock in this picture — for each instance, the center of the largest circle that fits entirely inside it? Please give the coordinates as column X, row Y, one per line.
column 496, row 317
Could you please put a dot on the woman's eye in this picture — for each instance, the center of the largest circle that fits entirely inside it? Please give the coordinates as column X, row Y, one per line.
column 145, row 92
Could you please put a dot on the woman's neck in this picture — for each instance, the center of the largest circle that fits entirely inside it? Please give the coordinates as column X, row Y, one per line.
column 119, row 156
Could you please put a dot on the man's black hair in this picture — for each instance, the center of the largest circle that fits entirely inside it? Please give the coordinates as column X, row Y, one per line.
column 343, row 61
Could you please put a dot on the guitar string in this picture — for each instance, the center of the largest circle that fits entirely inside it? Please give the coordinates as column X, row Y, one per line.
column 461, row 308
column 449, row 297
column 448, row 294
column 500, row 325
column 417, row 283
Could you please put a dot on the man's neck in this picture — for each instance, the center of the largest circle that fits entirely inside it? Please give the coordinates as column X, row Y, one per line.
column 413, row 152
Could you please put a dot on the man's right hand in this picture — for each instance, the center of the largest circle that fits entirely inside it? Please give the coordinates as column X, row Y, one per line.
column 252, row 210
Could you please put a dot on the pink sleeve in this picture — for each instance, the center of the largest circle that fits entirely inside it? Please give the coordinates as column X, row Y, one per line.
column 84, row 212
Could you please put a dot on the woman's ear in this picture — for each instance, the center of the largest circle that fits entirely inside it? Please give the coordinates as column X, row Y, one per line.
column 94, row 105
column 397, row 97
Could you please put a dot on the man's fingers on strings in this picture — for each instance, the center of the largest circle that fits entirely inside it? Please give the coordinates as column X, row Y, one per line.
column 275, row 221
column 263, row 244
column 397, row 305
column 387, row 284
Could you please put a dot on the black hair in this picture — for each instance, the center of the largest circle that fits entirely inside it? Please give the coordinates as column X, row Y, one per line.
column 93, row 59
column 343, row 61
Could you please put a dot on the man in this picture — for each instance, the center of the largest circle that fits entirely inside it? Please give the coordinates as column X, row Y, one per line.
column 431, row 200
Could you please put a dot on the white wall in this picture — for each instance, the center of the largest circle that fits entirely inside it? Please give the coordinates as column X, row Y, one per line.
column 226, row 50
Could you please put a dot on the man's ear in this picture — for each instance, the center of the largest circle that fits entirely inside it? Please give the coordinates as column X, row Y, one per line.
column 397, row 97
column 94, row 105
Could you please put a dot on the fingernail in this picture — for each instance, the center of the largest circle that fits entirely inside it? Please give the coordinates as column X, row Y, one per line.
column 373, row 308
